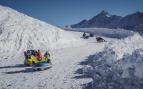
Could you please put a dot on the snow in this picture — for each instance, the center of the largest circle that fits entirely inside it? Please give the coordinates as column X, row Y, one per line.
column 115, row 64
column 61, row 76
column 118, row 66
column 127, row 45
column 114, row 33
column 107, row 73
column 20, row 32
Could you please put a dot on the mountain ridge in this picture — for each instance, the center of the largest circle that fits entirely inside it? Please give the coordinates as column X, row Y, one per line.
column 105, row 20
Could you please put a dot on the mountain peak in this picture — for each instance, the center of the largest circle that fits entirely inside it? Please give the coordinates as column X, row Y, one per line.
column 103, row 13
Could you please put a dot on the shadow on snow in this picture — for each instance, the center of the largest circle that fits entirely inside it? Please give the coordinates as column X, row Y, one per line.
column 106, row 76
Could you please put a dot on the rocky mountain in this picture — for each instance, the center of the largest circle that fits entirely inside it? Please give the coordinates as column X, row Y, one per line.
column 131, row 21
column 105, row 20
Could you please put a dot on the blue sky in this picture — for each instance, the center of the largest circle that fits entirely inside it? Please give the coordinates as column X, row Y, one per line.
column 67, row 12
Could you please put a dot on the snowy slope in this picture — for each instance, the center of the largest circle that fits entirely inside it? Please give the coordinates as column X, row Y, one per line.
column 19, row 32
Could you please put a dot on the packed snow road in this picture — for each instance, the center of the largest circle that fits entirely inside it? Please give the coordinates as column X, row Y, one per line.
column 13, row 75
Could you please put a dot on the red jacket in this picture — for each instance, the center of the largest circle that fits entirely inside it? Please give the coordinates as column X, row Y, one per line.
column 38, row 56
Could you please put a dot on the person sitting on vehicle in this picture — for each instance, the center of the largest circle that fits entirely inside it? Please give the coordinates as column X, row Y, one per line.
column 34, row 57
column 27, row 53
column 91, row 35
column 30, row 58
column 85, row 36
column 33, row 52
column 47, row 56
column 38, row 55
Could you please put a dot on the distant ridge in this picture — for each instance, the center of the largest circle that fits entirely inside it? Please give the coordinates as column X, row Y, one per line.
column 105, row 20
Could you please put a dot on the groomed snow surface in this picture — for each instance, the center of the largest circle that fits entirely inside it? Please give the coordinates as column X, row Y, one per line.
column 115, row 64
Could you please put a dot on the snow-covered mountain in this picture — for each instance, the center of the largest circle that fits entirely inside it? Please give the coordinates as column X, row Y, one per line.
column 19, row 32
column 131, row 21
column 102, row 20
column 105, row 20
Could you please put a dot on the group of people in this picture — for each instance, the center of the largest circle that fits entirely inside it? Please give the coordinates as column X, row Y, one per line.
column 98, row 39
column 35, row 56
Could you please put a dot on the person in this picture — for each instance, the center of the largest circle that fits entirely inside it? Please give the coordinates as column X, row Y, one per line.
column 25, row 54
column 38, row 55
column 30, row 58
column 84, row 34
column 47, row 56
column 91, row 35
column 33, row 52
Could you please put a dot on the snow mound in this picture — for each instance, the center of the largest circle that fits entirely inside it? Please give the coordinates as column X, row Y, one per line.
column 126, row 53
column 19, row 32
column 134, row 62
column 107, row 73
column 127, row 45
column 118, row 66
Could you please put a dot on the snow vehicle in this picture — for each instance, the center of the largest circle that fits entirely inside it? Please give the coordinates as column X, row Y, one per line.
column 99, row 39
column 30, row 58
column 91, row 35
column 85, row 36
column 41, row 66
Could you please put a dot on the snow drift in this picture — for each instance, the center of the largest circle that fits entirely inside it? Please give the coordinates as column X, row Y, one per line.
column 118, row 66
column 107, row 73
column 19, row 32
column 127, row 45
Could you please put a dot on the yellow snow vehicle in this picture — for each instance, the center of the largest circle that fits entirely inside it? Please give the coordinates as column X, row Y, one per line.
column 32, row 58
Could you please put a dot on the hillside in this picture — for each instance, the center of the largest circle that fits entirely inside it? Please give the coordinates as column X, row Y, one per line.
column 19, row 32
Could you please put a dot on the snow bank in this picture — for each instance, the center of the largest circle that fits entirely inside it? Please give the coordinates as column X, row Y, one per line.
column 108, row 73
column 133, row 61
column 19, row 32
column 127, row 45
column 118, row 66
